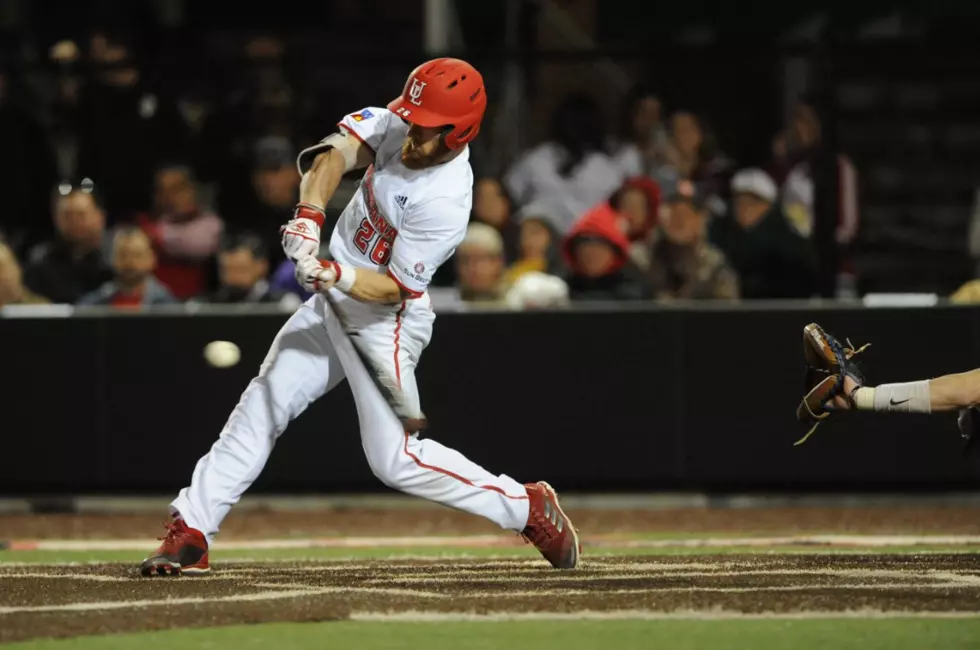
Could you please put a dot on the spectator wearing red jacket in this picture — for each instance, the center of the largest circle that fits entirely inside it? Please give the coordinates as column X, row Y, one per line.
column 596, row 251
column 633, row 209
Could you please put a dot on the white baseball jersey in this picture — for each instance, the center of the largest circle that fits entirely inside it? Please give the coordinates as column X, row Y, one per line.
column 401, row 221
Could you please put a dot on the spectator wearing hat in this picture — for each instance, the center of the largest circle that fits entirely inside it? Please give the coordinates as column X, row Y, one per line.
column 480, row 265
column 597, row 254
column 772, row 259
column 683, row 265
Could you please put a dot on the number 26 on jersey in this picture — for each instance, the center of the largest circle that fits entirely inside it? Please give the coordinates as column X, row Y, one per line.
column 366, row 233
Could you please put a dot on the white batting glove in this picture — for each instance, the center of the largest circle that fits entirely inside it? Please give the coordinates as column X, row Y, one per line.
column 301, row 236
column 315, row 276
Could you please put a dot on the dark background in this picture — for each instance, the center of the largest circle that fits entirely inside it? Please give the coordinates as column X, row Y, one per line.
column 680, row 399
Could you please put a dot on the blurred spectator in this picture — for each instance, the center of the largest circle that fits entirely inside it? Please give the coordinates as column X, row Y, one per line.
column 968, row 294
column 772, row 259
column 27, row 166
column 134, row 286
column 572, row 167
column 791, row 145
column 124, row 126
column 12, row 289
column 539, row 245
column 492, row 206
column 973, row 237
column 185, row 236
column 683, row 264
column 480, row 264
column 642, row 140
column 638, row 205
column 597, row 253
column 820, row 197
column 75, row 262
column 243, row 266
column 271, row 198
column 692, row 154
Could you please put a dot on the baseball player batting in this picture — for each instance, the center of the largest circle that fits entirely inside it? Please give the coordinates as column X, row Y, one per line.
column 835, row 383
column 406, row 219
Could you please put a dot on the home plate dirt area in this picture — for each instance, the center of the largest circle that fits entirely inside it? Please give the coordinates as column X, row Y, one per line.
column 71, row 600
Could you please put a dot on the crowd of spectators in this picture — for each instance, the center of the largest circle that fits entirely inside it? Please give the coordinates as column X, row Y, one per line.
column 652, row 210
column 126, row 196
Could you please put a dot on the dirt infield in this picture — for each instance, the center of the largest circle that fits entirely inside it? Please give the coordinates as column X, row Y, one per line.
column 38, row 601
column 442, row 521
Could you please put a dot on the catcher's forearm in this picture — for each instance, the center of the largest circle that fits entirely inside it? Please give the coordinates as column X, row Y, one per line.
column 370, row 286
column 939, row 395
column 321, row 181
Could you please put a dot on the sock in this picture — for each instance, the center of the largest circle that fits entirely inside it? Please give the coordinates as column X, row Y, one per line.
column 911, row 397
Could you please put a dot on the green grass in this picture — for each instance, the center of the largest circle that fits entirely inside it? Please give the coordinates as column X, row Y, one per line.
column 321, row 554
column 843, row 634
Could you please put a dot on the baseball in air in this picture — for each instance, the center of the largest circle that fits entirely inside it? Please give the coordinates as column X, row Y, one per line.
column 222, row 354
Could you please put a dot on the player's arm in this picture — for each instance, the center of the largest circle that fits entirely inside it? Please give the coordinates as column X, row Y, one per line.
column 942, row 394
column 326, row 163
column 321, row 167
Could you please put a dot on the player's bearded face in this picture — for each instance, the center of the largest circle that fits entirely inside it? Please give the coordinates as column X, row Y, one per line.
column 423, row 147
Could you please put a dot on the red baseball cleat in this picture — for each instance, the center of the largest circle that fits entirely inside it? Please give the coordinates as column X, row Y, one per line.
column 549, row 529
column 184, row 552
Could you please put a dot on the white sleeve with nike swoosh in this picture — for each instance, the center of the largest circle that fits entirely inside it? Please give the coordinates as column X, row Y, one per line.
column 428, row 236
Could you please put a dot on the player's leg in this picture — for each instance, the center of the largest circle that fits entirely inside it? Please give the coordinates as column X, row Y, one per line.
column 424, row 468
column 300, row 367
column 951, row 392
column 428, row 469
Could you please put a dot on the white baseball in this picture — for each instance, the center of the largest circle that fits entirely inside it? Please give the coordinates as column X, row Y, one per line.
column 222, row 354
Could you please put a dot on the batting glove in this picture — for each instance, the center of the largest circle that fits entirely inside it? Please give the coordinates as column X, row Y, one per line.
column 301, row 236
column 319, row 276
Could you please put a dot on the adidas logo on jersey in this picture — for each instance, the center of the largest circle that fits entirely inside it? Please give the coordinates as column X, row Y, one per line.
column 400, row 200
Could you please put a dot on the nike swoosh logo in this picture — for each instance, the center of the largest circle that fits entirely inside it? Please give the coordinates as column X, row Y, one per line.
column 894, row 403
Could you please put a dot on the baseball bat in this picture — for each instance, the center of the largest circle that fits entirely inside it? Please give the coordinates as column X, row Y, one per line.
column 413, row 421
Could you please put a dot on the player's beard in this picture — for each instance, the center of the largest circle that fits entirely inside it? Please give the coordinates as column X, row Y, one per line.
column 414, row 158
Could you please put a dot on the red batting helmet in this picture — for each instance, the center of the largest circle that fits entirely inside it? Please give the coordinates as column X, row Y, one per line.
column 444, row 92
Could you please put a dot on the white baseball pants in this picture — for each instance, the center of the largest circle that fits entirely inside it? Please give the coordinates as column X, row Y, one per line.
column 309, row 356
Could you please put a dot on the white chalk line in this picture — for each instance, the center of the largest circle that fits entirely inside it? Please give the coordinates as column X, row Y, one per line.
column 83, row 577
column 319, row 591
column 133, row 604
column 387, row 591
column 644, row 615
column 294, row 591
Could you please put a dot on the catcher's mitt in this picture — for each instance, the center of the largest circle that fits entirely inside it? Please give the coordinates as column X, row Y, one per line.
column 828, row 362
